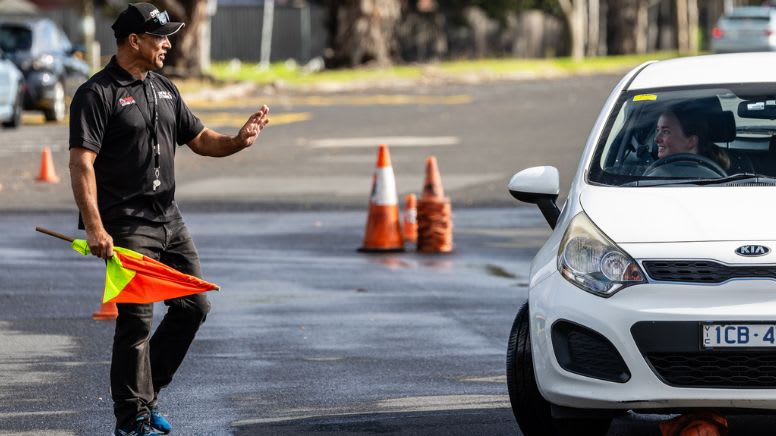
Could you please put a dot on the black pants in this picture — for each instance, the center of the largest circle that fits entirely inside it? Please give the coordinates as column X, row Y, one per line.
column 142, row 363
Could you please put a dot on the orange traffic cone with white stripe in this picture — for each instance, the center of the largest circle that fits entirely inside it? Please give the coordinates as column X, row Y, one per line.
column 47, row 173
column 107, row 310
column 383, row 229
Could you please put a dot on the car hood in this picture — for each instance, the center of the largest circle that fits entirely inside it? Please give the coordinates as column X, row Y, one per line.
column 678, row 214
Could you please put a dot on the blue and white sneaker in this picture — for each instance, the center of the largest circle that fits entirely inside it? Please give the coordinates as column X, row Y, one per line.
column 141, row 427
column 159, row 423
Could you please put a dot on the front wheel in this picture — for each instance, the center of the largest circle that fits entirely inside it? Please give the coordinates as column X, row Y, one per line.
column 532, row 412
column 57, row 111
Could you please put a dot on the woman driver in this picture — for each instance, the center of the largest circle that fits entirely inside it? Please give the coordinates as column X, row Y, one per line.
column 681, row 131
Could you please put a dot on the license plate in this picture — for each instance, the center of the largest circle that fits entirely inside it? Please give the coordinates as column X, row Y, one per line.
column 738, row 335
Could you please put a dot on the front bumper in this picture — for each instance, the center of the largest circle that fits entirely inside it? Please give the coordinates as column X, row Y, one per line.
column 556, row 300
column 40, row 93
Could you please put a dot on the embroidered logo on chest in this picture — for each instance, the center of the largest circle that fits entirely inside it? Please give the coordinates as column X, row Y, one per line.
column 167, row 95
column 126, row 101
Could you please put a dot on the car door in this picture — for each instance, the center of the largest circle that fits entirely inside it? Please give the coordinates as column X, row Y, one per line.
column 7, row 86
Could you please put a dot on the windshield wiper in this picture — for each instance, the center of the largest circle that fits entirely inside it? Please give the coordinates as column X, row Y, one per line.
column 739, row 177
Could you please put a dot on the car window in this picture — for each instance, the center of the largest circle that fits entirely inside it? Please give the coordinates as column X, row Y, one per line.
column 15, row 38
column 678, row 136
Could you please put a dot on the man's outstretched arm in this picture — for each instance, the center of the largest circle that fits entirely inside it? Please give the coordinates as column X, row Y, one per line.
column 212, row 143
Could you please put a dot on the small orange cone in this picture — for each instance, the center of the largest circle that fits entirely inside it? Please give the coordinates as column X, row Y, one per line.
column 435, row 216
column 703, row 423
column 107, row 311
column 47, row 173
column 409, row 225
column 383, row 229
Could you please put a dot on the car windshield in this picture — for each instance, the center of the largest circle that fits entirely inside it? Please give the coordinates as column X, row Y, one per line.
column 722, row 135
column 15, row 38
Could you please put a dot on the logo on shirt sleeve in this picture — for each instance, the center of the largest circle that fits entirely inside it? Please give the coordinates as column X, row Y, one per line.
column 167, row 95
column 126, row 101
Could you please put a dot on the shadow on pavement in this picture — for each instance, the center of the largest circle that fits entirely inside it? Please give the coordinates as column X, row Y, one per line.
column 446, row 422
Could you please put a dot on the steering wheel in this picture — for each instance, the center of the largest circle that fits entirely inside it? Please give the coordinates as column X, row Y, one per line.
column 686, row 158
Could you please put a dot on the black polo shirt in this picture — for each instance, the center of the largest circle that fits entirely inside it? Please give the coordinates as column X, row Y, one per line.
column 112, row 115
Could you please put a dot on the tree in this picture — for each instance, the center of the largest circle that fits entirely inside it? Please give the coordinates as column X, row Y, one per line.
column 575, row 14
column 363, row 32
column 185, row 59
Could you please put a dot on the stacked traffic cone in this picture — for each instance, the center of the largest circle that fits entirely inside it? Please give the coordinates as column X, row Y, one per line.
column 703, row 423
column 435, row 217
column 47, row 173
column 107, row 311
column 409, row 225
column 383, row 229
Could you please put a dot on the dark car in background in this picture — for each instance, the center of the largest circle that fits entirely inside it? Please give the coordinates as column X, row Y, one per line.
column 745, row 28
column 42, row 51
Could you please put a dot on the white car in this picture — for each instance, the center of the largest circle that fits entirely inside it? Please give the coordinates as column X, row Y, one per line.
column 656, row 291
column 11, row 93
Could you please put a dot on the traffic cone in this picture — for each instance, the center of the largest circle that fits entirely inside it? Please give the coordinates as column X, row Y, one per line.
column 107, row 311
column 702, row 423
column 47, row 173
column 435, row 214
column 409, row 225
column 432, row 187
column 383, row 229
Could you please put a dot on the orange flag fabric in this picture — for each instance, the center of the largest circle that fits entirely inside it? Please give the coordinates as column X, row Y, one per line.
column 131, row 277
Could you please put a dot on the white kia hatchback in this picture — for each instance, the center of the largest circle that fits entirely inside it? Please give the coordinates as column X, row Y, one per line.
column 656, row 292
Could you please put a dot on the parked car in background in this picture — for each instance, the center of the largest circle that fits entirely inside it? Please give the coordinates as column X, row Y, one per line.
column 746, row 28
column 47, row 58
column 655, row 291
column 11, row 92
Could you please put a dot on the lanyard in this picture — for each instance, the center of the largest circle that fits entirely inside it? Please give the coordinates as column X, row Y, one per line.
column 156, row 149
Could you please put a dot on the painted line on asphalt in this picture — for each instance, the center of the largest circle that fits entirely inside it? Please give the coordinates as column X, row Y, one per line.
column 229, row 119
column 392, row 141
column 319, row 100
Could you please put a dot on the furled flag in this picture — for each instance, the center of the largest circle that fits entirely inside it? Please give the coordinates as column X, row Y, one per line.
column 131, row 277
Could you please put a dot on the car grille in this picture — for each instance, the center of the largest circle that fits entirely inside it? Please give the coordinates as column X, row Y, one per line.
column 703, row 271
column 586, row 352
column 716, row 369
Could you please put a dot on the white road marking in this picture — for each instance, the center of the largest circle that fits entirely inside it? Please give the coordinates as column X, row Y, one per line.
column 391, row 141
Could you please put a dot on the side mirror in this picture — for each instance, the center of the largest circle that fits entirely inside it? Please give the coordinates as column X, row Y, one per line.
column 538, row 185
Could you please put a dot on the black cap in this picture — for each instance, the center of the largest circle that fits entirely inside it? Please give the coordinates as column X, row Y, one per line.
column 144, row 18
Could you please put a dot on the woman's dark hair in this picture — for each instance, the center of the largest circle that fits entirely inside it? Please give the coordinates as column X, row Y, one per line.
column 695, row 122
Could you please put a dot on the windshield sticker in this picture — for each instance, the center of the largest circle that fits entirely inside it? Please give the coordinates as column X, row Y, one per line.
column 645, row 97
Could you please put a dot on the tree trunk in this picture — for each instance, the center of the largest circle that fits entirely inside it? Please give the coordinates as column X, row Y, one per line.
column 363, row 32
column 628, row 21
column 692, row 25
column 593, row 27
column 184, row 59
column 682, row 25
column 575, row 15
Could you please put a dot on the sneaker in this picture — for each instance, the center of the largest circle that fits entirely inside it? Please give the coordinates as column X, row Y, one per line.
column 141, row 427
column 159, row 423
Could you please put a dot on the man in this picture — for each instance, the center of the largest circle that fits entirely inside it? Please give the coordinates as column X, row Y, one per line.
column 125, row 123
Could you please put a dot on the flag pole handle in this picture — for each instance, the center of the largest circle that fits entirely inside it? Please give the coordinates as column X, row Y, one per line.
column 55, row 234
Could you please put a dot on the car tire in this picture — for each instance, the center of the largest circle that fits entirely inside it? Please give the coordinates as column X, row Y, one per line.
column 16, row 118
column 532, row 412
column 57, row 111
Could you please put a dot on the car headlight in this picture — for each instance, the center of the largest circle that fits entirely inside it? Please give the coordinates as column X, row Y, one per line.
column 43, row 62
column 593, row 262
